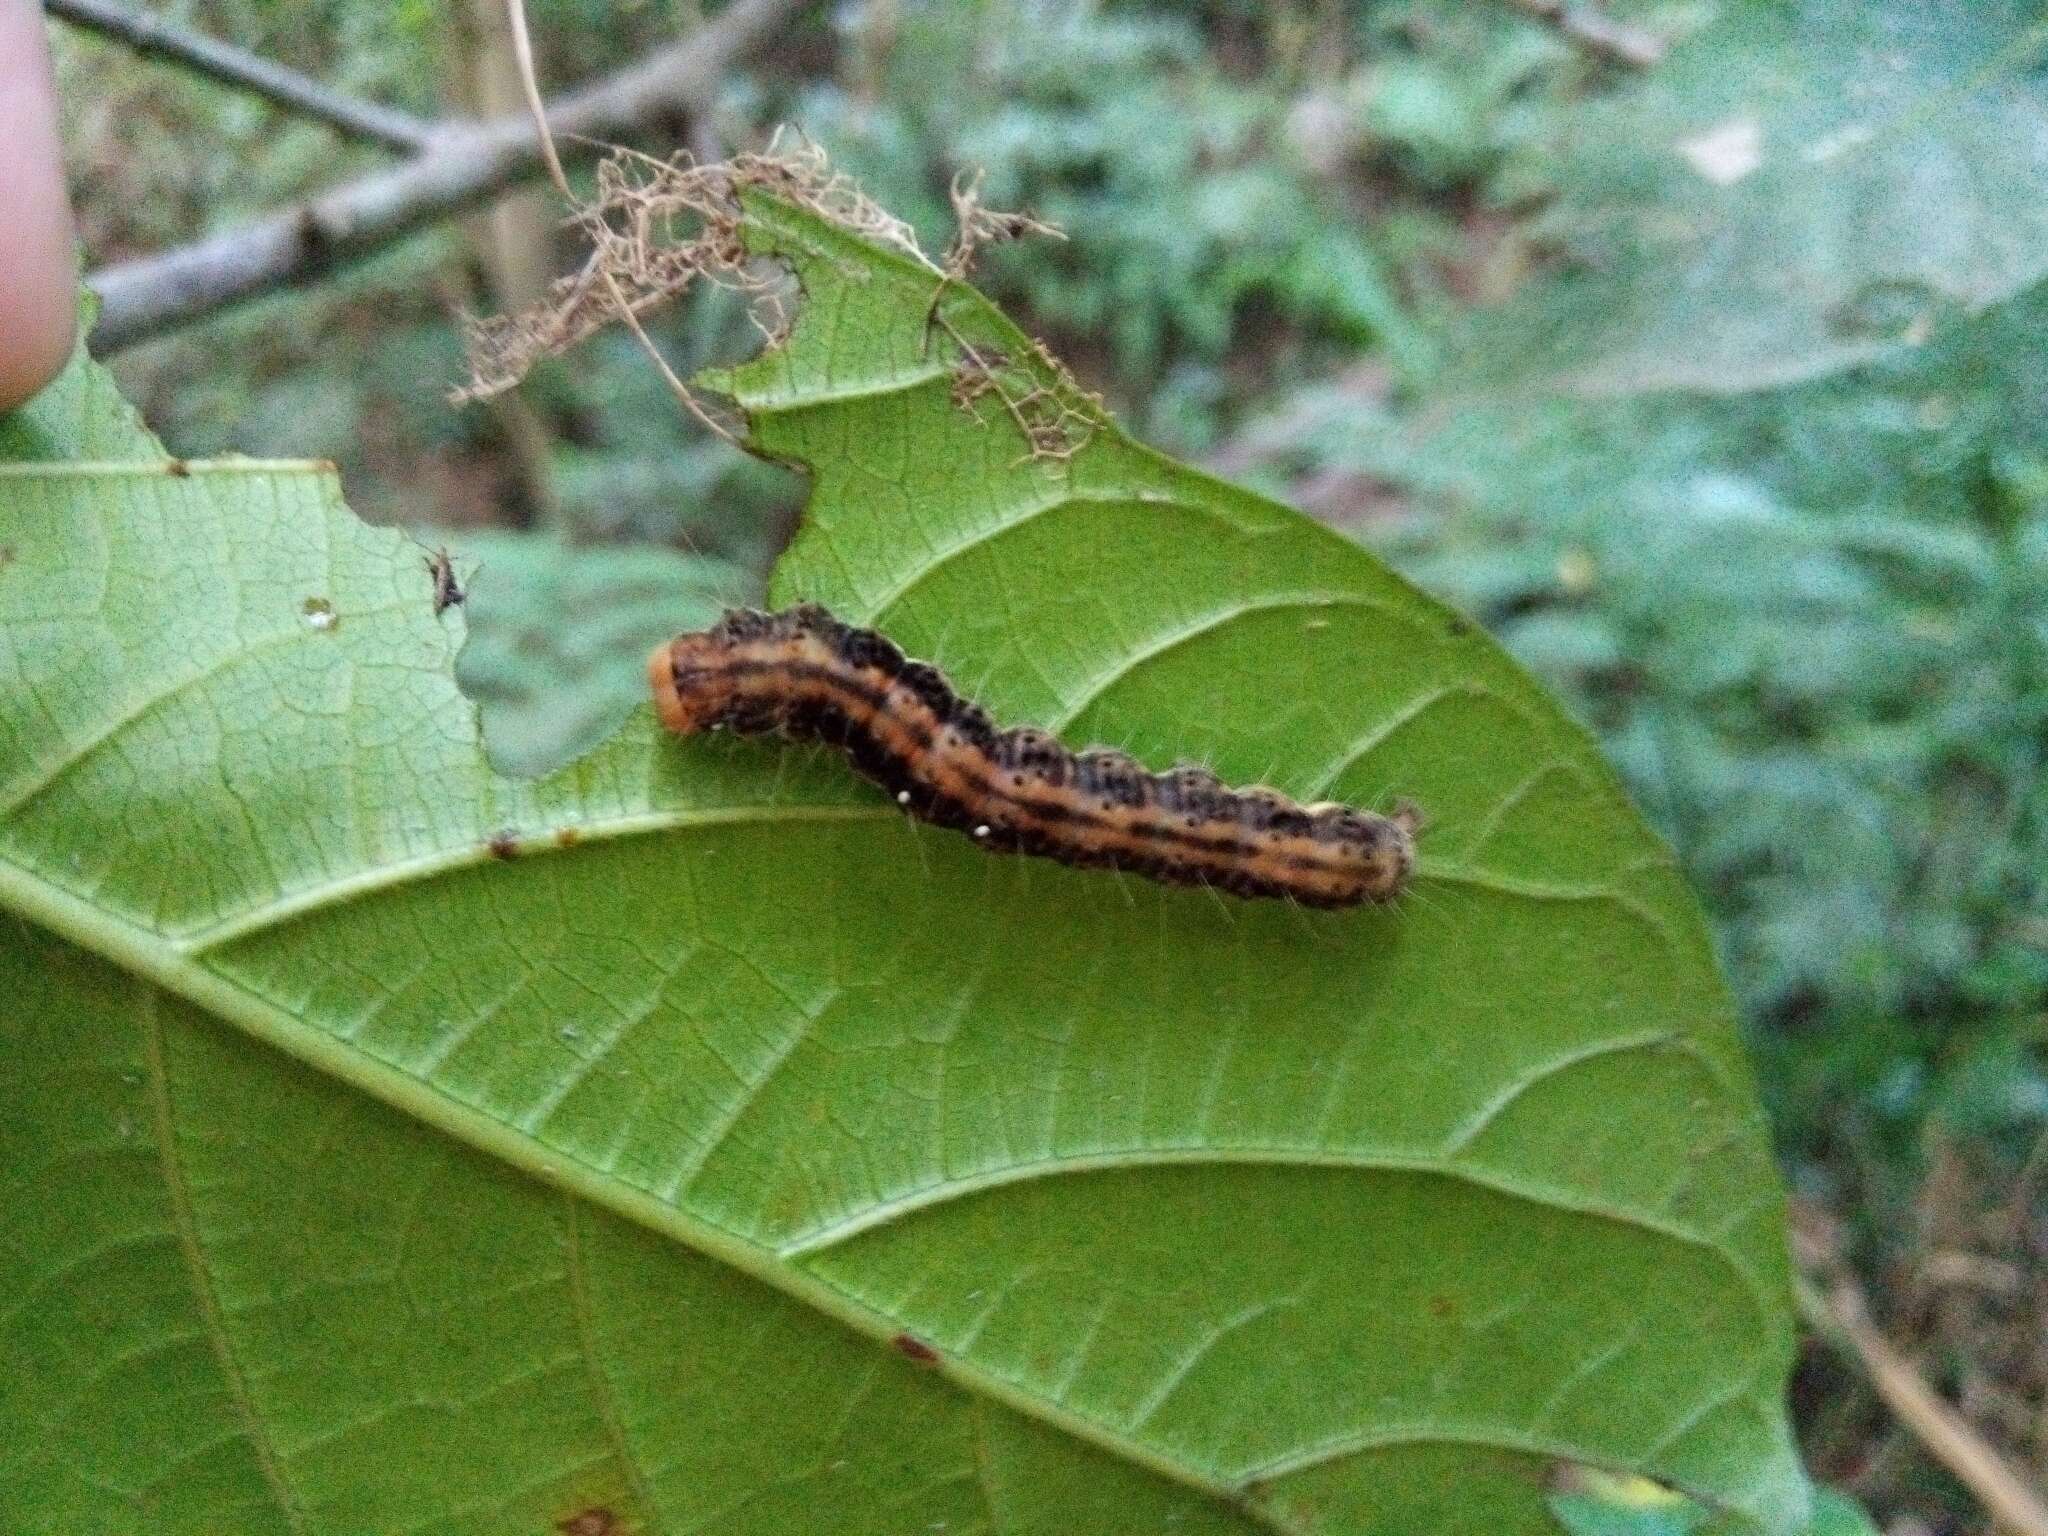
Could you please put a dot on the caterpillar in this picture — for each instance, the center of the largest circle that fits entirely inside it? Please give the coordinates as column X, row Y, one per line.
column 804, row 673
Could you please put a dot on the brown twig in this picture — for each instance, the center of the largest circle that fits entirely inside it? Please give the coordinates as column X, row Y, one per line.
column 1841, row 1316
column 155, row 36
column 463, row 165
column 1597, row 32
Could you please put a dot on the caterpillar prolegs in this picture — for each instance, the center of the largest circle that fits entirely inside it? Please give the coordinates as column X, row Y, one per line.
column 803, row 673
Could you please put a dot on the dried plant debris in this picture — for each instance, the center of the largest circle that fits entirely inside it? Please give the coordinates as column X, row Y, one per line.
column 1056, row 419
column 656, row 227
column 976, row 227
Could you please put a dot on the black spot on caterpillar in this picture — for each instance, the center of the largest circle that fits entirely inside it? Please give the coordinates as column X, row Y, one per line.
column 803, row 673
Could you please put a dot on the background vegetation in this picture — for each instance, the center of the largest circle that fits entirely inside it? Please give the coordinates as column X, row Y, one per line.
column 1715, row 388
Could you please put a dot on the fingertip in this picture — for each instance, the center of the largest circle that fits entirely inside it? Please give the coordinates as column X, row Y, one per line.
column 35, row 351
column 38, row 271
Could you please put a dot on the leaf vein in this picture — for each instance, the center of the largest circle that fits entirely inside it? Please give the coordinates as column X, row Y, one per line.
column 1174, row 636
column 601, row 1390
column 184, row 1223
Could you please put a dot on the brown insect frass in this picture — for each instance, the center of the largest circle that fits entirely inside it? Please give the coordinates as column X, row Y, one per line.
column 803, row 673
column 911, row 1347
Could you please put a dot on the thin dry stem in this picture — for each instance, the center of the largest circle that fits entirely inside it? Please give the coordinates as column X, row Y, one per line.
column 522, row 46
column 976, row 227
column 1839, row 1314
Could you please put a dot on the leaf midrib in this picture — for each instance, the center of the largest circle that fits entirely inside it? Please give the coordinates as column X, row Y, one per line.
column 151, row 958
column 179, row 969
column 473, row 852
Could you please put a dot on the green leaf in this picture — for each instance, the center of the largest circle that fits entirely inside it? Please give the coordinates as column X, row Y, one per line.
column 1621, row 1507
column 1799, row 188
column 81, row 415
column 1584, row 1514
column 395, row 1145
column 1836, row 1514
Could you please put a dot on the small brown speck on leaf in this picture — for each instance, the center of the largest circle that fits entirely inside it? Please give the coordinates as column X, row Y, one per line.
column 567, row 837
column 503, row 845
column 8, row 555
column 911, row 1347
column 177, row 469
column 595, row 1521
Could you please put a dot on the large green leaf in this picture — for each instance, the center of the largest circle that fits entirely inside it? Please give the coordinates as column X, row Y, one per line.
column 397, row 1146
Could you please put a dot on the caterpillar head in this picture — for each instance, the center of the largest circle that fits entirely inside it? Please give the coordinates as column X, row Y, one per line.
column 692, row 691
column 1380, row 848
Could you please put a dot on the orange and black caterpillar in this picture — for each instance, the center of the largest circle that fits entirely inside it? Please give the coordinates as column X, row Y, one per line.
column 803, row 673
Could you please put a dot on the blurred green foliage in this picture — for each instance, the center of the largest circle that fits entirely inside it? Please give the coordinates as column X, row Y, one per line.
column 1797, row 188
column 549, row 627
column 1242, row 189
column 1809, row 617
column 1812, row 626
column 1121, row 130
